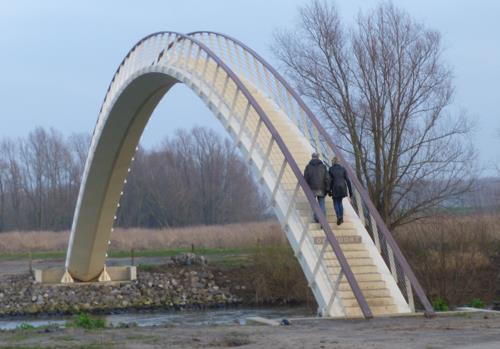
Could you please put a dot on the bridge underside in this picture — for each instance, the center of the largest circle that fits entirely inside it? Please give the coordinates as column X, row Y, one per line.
column 112, row 154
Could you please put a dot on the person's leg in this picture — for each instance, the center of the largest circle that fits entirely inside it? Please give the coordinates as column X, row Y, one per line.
column 341, row 211
column 314, row 214
column 321, row 202
column 337, row 205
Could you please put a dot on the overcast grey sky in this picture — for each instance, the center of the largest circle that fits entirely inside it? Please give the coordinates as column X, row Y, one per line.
column 58, row 57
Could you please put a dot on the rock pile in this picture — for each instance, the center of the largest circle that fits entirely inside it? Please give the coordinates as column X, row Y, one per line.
column 188, row 259
column 179, row 287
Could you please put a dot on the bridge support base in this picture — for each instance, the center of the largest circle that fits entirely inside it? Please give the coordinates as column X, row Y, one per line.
column 109, row 274
column 66, row 278
column 104, row 276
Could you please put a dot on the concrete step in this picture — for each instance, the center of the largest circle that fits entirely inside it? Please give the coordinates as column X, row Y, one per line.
column 342, row 239
column 363, row 285
column 332, row 222
column 356, row 254
column 330, row 213
column 333, row 225
column 372, row 302
column 328, row 204
column 331, row 261
column 377, row 293
column 353, row 247
column 357, row 270
column 331, row 219
column 376, row 310
column 343, row 232
column 367, row 278
column 330, row 254
column 347, row 225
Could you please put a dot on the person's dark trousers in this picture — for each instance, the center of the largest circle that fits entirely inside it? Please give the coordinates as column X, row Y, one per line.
column 321, row 202
column 339, row 209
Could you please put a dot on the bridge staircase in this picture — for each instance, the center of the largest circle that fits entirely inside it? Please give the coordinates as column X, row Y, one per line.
column 373, row 276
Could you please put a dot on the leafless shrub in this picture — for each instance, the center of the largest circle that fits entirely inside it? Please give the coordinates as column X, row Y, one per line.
column 278, row 277
column 454, row 257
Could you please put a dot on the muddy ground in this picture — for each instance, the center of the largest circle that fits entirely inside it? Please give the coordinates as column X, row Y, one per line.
column 480, row 330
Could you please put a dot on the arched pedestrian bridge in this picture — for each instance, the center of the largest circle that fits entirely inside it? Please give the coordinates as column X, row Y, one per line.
column 355, row 269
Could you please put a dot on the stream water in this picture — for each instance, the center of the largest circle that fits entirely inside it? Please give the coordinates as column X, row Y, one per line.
column 170, row 318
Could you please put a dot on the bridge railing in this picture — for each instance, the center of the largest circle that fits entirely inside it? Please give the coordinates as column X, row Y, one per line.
column 254, row 69
column 249, row 64
column 210, row 75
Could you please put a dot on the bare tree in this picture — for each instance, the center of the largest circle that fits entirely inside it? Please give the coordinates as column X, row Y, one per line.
column 78, row 145
column 497, row 165
column 12, row 178
column 384, row 92
column 195, row 177
column 39, row 180
column 3, row 180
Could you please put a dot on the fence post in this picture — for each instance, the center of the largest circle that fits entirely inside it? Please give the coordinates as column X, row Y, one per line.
column 30, row 256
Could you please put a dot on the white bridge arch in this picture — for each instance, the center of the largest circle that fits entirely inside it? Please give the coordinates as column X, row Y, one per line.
column 353, row 270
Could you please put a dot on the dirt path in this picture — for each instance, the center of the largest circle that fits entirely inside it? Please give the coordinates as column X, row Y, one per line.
column 461, row 331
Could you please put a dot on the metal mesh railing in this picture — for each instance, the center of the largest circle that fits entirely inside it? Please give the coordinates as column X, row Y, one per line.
column 246, row 64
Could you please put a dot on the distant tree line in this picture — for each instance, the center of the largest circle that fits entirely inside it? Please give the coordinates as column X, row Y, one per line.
column 39, row 180
column 195, row 177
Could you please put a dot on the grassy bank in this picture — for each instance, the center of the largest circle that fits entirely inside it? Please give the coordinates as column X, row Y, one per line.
column 166, row 252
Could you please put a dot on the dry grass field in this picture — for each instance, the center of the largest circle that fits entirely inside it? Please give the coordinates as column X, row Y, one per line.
column 266, row 233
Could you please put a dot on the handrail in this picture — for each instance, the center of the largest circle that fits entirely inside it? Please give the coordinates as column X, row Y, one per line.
column 362, row 191
column 288, row 157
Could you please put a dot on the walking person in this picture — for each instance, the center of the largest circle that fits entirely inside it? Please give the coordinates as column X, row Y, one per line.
column 338, row 188
column 316, row 176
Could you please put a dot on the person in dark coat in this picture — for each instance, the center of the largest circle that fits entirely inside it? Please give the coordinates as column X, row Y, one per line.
column 316, row 175
column 339, row 184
